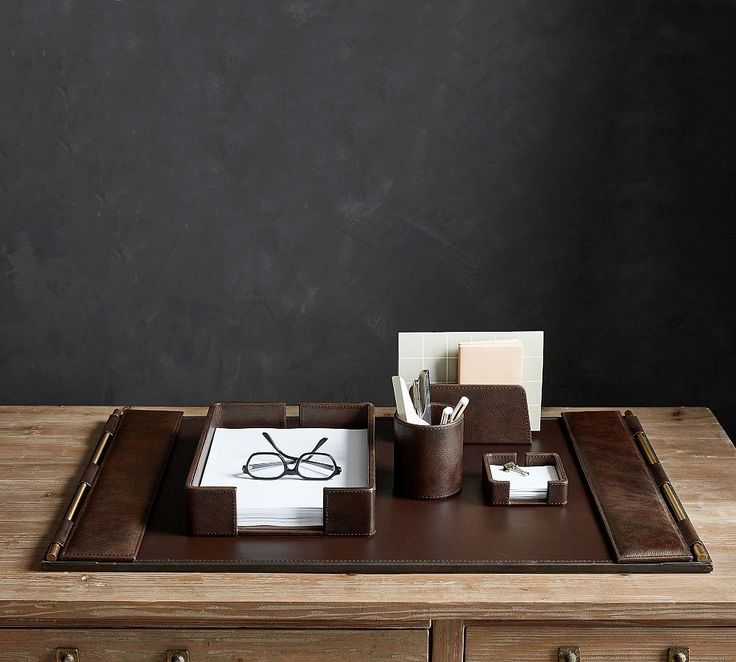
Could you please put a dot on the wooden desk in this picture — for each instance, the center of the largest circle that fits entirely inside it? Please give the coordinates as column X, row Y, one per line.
column 138, row 616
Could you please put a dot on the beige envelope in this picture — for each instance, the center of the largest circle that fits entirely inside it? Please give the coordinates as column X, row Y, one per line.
column 490, row 362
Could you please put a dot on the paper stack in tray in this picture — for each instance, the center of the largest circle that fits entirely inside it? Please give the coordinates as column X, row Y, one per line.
column 526, row 488
column 288, row 501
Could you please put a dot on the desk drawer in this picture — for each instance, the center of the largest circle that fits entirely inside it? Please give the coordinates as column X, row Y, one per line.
column 217, row 645
column 597, row 644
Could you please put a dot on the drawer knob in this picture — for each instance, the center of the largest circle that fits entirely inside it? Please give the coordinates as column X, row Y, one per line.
column 177, row 656
column 569, row 654
column 679, row 655
column 67, row 655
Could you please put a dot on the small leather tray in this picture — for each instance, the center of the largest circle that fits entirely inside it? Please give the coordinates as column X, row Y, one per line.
column 347, row 511
column 497, row 491
column 496, row 414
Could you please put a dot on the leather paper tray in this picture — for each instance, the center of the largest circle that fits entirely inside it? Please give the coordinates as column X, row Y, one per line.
column 347, row 511
column 458, row 534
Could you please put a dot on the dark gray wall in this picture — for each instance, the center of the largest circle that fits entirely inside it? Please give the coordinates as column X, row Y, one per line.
column 240, row 200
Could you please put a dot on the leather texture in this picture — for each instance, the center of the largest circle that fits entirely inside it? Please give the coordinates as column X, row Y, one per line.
column 498, row 491
column 212, row 511
column 61, row 536
column 689, row 534
column 461, row 534
column 347, row 511
column 631, row 507
column 113, row 520
column 428, row 459
column 496, row 414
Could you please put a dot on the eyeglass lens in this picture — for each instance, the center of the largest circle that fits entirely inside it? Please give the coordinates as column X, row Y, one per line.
column 316, row 466
column 266, row 466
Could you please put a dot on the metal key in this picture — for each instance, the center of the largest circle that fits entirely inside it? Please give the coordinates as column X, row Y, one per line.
column 512, row 466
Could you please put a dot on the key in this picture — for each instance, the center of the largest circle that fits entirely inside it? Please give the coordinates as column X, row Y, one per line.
column 512, row 466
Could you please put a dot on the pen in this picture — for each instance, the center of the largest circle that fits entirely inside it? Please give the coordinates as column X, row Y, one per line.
column 446, row 413
column 459, row 408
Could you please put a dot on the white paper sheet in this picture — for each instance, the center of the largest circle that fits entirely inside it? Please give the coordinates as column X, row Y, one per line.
column 524, row 488
column 288, row 501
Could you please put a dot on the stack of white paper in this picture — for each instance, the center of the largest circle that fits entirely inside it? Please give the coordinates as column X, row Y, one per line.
column 287, row 501
column 526, row 488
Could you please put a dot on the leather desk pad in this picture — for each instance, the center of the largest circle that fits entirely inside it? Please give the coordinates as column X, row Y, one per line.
column 458, row 534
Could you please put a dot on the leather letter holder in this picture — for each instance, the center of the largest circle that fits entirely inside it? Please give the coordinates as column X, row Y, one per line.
column 496, row 414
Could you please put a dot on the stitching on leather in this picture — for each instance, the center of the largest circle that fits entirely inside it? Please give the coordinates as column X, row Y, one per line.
column 420, row 562
column 593, row 490
column 431, row 498
column 326, row 510
column 98, row 475
column 526, row 423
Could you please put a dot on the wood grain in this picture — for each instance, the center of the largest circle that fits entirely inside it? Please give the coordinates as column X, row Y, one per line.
column 611, row 644
column 448, row 640
column 218, row 646
column 53, row 443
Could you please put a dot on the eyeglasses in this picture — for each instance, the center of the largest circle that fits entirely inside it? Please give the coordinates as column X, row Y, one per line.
column 308, row 466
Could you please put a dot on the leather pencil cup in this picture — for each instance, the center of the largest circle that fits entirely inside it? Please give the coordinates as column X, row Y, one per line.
column 428, row 459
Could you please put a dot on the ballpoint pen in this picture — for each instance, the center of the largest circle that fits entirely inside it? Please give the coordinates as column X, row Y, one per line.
column 446, row 413
column 459, row 408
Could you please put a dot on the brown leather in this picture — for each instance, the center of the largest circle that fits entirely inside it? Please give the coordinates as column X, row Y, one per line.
column 112, row 523
column 689, row 534
column 61, row 536
column 496, row 414
column 460, row 534
column 498, row 491
column 428, row 459
column 347, row 511
column 638, row 521
column 212, row 511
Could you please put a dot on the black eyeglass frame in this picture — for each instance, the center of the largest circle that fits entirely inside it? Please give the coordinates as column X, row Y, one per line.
column 285, row 459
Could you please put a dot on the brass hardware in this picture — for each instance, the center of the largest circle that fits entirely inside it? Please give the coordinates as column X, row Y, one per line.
column 101, row 447
column 674, row 502
column 76, row 500
column 568, row 654
column 699, row 552
column 646, row 448
column 55, row 548
column 71, row 511
column 67, row 655
column 181, row 655
column 678, row 655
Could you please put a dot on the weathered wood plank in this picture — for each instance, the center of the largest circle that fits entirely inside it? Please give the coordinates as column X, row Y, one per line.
column 609, row 644
column 253, row 645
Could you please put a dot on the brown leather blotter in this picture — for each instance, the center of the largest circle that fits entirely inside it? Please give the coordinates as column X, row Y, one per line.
column 112, row 523
column 638, row 522
column 457, row 534
column 496, row 414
